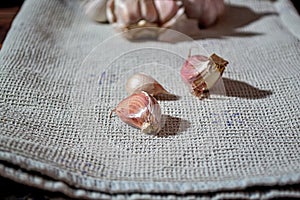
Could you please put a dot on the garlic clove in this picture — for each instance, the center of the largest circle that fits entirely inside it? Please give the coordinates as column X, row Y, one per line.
column 166, row 9
column 205, row 11
column 110, row 14
column 123, row 12
column 142, row 111
column 148, row 11
column 193, row 66
column 201, row 73
column 143, row 82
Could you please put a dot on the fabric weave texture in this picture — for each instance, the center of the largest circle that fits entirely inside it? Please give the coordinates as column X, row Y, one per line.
column 62, row 74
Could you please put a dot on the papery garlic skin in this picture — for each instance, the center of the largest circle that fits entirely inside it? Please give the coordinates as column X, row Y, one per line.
column 201, row 73
column 142, row 111
column 143, row 82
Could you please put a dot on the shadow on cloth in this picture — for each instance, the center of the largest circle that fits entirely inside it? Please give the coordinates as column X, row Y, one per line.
column 235, row 17
column 167, row 97
column 235, row 88
column 173, row 126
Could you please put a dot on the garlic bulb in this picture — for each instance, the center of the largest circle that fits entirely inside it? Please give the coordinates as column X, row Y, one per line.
column 142, row 111
column 205, row 11
column 130, row 14
column 143, row 82
column 95, row 9
column 201, row 73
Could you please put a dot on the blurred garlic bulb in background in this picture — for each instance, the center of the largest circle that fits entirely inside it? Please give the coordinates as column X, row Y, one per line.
column 148, row 14
column 205, row 11
column 95, row 9
column 129, row 14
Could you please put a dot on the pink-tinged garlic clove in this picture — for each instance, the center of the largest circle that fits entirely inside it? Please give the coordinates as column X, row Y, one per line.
column 148, row 11
column 123, row 12
column 110, row 11
column 142, row 111
column 143, row 82
column 193, row 66
column 205, row 11
column 166, row 9
column 201, row 73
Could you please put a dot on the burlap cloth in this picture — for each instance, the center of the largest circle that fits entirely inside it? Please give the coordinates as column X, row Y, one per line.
column 62, row 74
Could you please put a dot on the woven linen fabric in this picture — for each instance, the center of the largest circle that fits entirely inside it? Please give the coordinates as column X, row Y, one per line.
column 62, row 74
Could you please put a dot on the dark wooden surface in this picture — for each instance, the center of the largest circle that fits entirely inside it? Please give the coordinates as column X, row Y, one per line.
column 8, row 10
column 297, row 5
